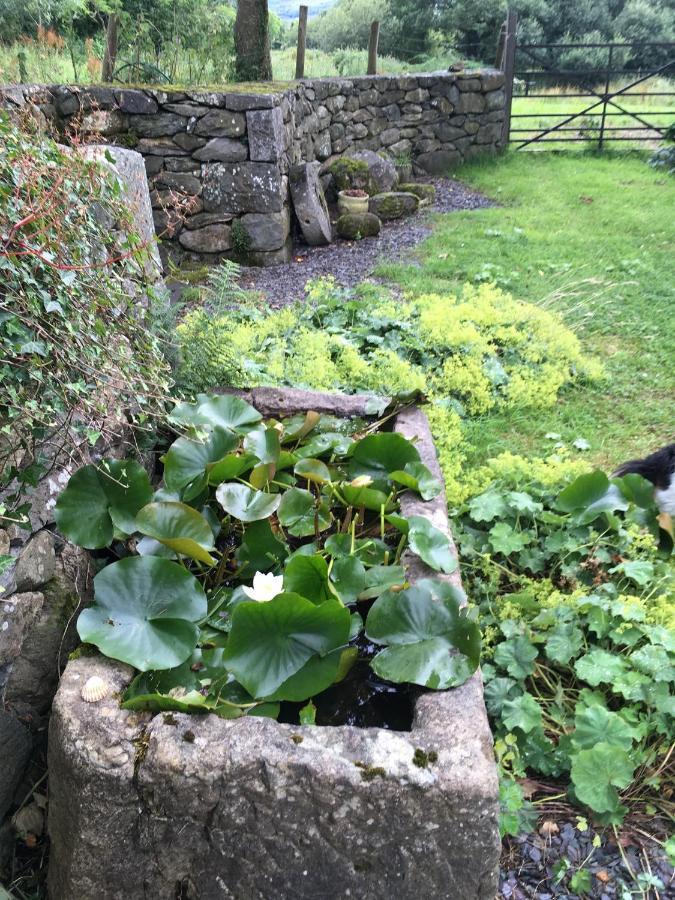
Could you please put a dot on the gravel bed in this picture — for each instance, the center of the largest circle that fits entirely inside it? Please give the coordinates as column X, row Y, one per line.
column 349, row 262
column 528, row 866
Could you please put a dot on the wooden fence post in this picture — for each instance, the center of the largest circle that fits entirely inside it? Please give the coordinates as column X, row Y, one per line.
column 302, row 40
column 499, row 55
column 372, row 48
column 509, row 66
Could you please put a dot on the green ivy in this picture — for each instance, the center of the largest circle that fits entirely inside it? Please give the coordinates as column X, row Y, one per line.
column 76, row 346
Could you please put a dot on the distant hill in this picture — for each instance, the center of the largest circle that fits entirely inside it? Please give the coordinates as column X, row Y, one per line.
column 288, row 9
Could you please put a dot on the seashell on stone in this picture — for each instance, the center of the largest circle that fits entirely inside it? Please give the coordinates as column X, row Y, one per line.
column 94, row 689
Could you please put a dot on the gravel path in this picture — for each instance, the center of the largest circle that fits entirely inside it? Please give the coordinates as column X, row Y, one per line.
column 530, row 865
column 351, row 261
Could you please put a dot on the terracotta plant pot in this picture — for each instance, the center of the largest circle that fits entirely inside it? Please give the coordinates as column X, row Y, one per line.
column 350, row 202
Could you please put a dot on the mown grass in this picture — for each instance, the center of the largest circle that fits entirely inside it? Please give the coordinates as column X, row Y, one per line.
column 592, row 237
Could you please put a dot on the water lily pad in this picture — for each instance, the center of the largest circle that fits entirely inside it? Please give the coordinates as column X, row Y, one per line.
column 348, row 575
column 308, row 576
column 263, row 443
column 144, row 613
column 429, row 640
column 312, row 470
column 179, row 527
column 189, row 458
column 260, row 549
column 99, row 499
column 245, row 504
column 419, row 478
column 299, row 513
column 270, row 642
column 379, row 454
column 431, row 544
column 218, row 411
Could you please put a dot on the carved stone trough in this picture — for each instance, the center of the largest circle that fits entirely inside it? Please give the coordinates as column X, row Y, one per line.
column 147, row 807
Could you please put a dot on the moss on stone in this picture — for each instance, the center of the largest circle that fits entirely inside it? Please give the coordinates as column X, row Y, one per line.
column 82, row 651
column 393, row 204
column 350, row 174
column 423, row 192
column 370, row 773
column 422, row 759
column 354, row 226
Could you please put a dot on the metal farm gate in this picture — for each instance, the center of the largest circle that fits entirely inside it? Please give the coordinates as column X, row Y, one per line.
column 608, row 88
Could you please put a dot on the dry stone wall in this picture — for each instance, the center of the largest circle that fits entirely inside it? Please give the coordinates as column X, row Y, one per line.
column 217, row 162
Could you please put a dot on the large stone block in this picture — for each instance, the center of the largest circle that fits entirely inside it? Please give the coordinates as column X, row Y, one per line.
column 222, row 150
column 209, row 239
column 221, row 123
column 265, row 129
column 439, row 162
column 148, row 808
column 158, row 125
column 267, row 231
column 242, row 187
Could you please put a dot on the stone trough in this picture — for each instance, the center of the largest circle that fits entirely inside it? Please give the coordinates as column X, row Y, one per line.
column 177, row 806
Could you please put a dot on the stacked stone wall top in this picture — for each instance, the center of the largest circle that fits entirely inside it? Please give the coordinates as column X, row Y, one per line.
column 213, row 157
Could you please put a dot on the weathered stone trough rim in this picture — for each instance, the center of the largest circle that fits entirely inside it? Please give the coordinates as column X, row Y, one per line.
column 133, row 749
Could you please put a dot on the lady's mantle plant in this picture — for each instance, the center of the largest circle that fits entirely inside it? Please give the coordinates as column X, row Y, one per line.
column 244, row 580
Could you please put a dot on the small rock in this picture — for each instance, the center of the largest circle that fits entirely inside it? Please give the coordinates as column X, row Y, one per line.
column 354, row 226
column 381, row 171
column 210, row 239
column 37, row 562
column 426, row 193
column 393, row 205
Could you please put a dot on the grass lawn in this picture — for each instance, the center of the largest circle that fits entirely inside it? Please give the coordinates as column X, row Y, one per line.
column 592, row 237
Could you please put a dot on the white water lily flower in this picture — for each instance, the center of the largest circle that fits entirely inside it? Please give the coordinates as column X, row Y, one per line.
column 265, row 587
column 361, row 481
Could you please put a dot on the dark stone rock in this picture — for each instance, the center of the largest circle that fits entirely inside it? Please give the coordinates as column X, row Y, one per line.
column 161, row 125
column 135, row 101
column 426, row 193
column 267, row 231
column 191, row 110
column 104, row 121
column 189, row 141
column 381, row 171
column 265, row 258
column 221, row 123
column 15, row 748
column 161, row 147
column 438, row 162
column 179, row 181
column 310, row 204
column 354, row 226
column 180, row 164
column 393, row 205
column 265, row 129
column 222, row 150
column 210, row 239
column 18, row 614
column 208, row 98
column 201, row 220
column 244, row 102
column 153, row 165
column 242, row 187
column 36, row 563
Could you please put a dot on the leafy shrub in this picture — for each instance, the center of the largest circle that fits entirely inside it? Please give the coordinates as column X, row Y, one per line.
column 469, row 354
column 575, row 595
column 311, row 517
column 75, row 345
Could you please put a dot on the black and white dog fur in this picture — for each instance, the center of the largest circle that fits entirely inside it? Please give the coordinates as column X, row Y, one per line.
column 659, row 468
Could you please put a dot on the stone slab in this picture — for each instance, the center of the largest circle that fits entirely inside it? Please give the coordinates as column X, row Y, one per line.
column 242, row 187
column 144, row 808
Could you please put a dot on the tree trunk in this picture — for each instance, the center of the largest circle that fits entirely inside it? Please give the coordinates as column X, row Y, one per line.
column 110, row 55
column 252, row 41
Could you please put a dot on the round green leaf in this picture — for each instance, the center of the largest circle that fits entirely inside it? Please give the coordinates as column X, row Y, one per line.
column 144, row 613
column 417, row 477
column 431, row 544
column 564, row 642
column 363, row 496
column 260, row 549
column 230, row 466
column 431, row 642
column 522, row 712
column 270, row 642
column 187, row 459
column 312, row 470
column 379, row 454
column 517, row 656
column 381, row 578
column 179, row 527
column 246, row 504
column 597, row 772
column 219, row 411
column 98, row 499
column 583, row 491
column 263, row 443
column 308, row 576
column 298, row 513
column 348, row 575
column 599, row 667
column 317, row 674
column 595, row 724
